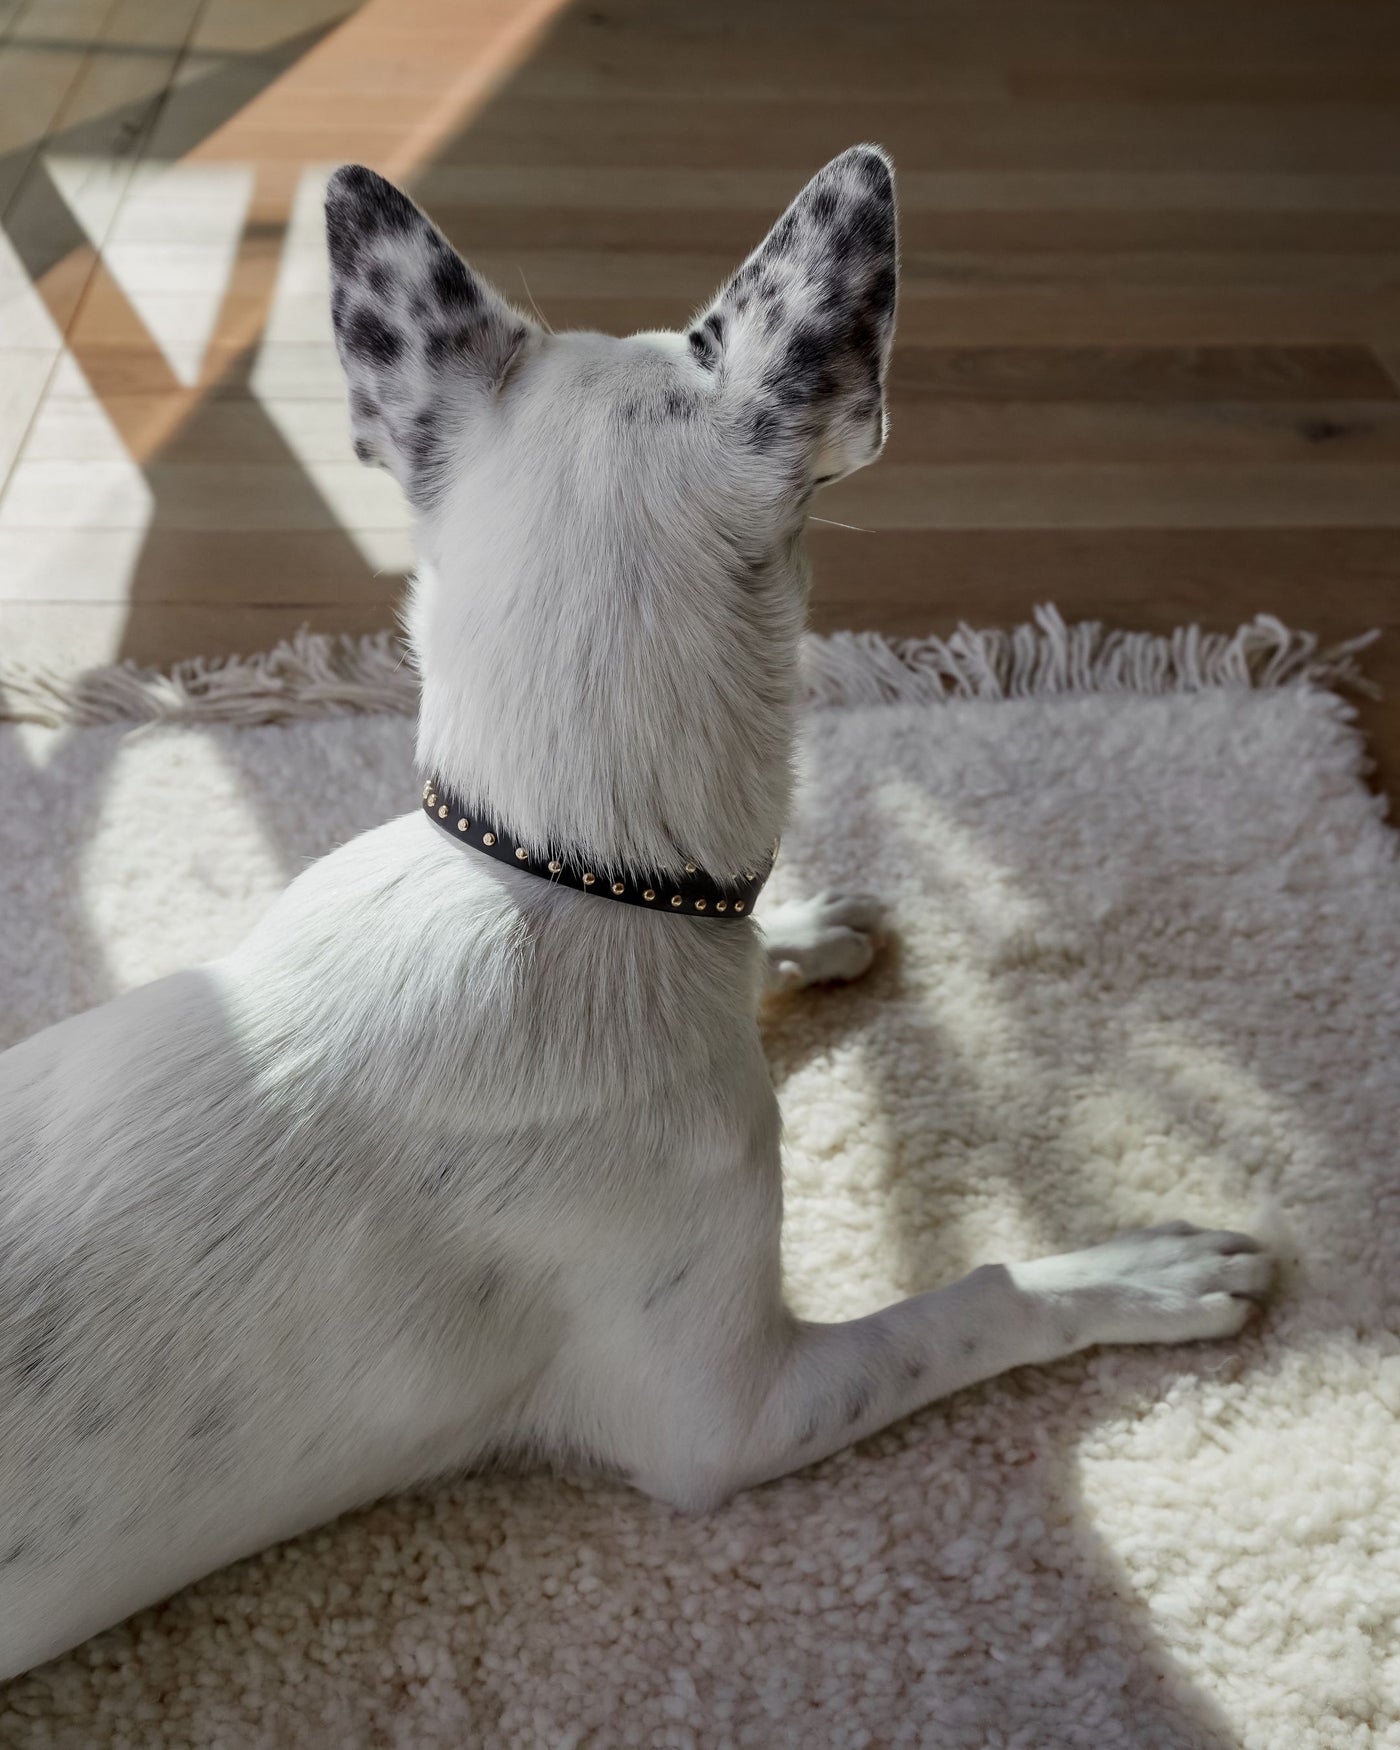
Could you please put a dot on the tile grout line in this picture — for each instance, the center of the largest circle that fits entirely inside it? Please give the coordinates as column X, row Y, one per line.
column 148, row 130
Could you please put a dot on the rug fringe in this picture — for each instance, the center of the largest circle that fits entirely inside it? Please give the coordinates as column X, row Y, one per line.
column 313, row 675
column 310, row 675
column 1053, row 657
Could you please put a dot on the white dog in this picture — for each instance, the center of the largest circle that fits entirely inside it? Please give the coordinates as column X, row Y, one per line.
column 462, row 1154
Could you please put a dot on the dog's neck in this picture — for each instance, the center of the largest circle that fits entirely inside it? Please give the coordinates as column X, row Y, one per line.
column 635, row 737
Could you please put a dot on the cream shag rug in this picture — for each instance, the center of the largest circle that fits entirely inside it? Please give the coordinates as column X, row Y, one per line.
column 1148, row 936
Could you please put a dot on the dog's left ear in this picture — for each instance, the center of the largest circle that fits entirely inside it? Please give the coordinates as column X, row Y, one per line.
column 800, row 338
column 418, row 333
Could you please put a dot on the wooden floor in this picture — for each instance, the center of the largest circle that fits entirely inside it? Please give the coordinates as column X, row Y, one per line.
column 1149, row 353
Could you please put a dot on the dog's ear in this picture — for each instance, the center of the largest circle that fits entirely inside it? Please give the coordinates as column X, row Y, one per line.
column 417, row 331
column 800, row 337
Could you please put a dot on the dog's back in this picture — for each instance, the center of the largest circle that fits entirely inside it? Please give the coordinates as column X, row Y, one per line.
column 312, row 1223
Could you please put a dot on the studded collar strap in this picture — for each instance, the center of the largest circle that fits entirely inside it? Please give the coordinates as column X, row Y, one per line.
column 693, row 894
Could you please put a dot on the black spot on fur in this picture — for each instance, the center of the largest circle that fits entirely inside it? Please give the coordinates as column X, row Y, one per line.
column 872, row 171
column 345, row 250
column 835, row 293
column 801, row 375
column 363, row 406
column 765, row 427
column 445, row 345
column 363, row 452
column 868, row 229
column 882, row 292
column 17, row 1552
column 967, row 1346
column 453, row 286
column 715, row 323
column 781, row 237
column 769, row 290
column 700, row 349
column 678, row 406
column 358, row 200
column 418, row 306
column 426, row 427
column 369, row 337
column 379, row 280
column 914, row 1371
column 823, row 205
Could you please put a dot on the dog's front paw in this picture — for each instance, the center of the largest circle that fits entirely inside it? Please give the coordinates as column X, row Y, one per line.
column 1171, row 1284
column 829, row 938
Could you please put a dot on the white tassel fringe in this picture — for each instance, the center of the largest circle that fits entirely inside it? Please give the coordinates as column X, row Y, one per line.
column 317, row 676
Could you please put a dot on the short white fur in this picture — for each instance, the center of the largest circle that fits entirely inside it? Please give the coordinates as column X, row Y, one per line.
column 443, row 1164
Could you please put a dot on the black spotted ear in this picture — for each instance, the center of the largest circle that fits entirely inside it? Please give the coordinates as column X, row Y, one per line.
column 417, row 331
column 800, row 338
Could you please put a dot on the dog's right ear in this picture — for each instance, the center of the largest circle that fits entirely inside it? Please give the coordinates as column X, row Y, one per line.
column 417, row 331
column 799, row 340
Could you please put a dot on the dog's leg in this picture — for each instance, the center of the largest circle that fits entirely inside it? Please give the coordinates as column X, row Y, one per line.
column 828, row 938
column 825, row 1386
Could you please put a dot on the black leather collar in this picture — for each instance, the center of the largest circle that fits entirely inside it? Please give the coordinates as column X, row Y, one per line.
column 693, row 894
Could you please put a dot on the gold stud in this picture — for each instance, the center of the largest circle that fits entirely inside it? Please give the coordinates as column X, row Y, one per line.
column 442, row 812
column 618, row 887
column 721, row 905
column 690, row 868
column 432, row 800
column 699, row 905
column 522, row 853
column 427, row 791
column 738, row 905
column 463, row 824
column 555, row 865
column 488, row 838
column 649, row 894
column 675, row 899
column 588, row 880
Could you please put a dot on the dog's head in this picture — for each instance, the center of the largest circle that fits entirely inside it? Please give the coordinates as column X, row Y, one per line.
column 611, row 579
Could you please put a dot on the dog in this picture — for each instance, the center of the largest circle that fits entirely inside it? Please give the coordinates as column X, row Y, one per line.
column 460, row 1155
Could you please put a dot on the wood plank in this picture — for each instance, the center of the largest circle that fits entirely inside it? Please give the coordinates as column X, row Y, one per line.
column 1067, row 495
column 1155, row 374
column 967, row 135
column 1135, row 434
column 284, row 568
column 76, row 636
column 906, row 581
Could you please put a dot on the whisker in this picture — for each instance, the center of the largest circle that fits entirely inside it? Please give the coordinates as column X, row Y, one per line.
column 531, row 296
column 854, row 527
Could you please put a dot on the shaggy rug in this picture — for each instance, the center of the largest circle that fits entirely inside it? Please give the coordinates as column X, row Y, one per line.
column 1147, row 934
